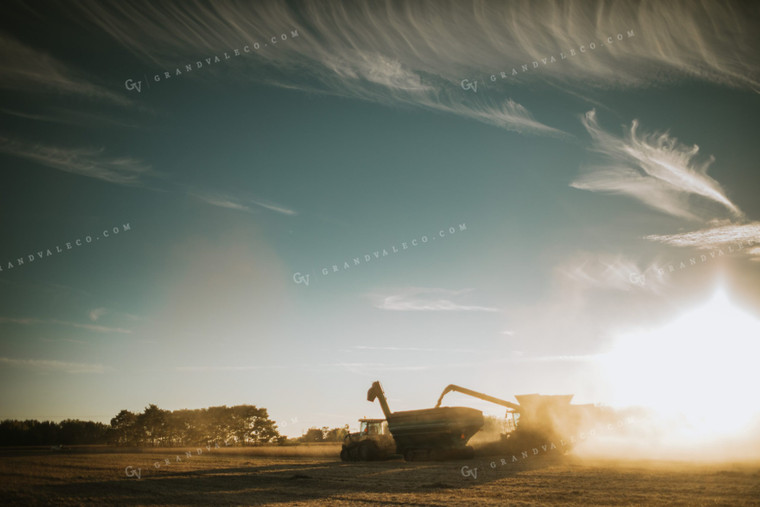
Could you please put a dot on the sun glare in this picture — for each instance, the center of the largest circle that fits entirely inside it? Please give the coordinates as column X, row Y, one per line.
column 700, row 372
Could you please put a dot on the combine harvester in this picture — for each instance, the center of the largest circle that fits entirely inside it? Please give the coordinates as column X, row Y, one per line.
column 443, row 432
column 536, row 419
column 431, row 433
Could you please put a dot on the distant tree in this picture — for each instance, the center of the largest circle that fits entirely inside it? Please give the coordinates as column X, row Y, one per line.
column 152, row 426
column 221, row 424
column 312, row 435
column 13, row 432
column 76, row 432
column 124, row 428
column 252, row 425
column 42, row 433
column 335, row 434
column 179, row 427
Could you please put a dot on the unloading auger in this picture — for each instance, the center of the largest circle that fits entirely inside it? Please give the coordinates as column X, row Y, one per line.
column 430, row 433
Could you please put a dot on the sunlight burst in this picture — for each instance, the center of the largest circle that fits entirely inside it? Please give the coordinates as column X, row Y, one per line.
column 699, row 372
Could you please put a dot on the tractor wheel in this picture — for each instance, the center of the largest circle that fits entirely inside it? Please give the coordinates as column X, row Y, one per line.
column 344, row 454
column 367, row 451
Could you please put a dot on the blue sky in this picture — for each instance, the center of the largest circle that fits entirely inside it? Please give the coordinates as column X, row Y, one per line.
column 576, row 181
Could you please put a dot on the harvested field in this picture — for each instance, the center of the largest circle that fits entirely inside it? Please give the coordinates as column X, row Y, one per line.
column 226, row 476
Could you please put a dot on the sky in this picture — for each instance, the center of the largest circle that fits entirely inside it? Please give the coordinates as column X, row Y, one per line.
column 299, row 198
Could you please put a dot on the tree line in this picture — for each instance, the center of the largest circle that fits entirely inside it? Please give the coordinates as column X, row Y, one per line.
column 154, row 427
column 68, row 432
column 324, row 434
column 241, row 425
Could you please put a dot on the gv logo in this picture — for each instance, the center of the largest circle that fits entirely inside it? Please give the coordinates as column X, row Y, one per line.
column 131, row 472
column 637, row 279
column 466, row 85
column 131, row 85
column 292, row 419
column 299, row 278
column 467, row 472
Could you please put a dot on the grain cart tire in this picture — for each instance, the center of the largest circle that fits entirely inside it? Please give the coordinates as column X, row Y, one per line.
column 417, row 454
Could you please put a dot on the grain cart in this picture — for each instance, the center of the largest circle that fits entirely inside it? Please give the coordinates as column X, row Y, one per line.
column 431, row 433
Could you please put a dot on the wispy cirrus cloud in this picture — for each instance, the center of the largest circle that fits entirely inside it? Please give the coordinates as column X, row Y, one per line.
column 712, row 237
column 385, row 42
column 716, row 237
column 71, row 117
column 274, row 207
column 13, row 320
column 226, row 368
column 365, row 369
column 93, row 327
column 428, row 299
column 89, row 327
column 506, row 114
column 222, row 201
column 89, row 162
column 603, row 271
column 67, row 340
column 379, row 69
column 229, row 202
column 53, row 366
column 96, row 313
column 654, row 169
column 582, row 358
column 416, row 349
column 416, row 55
column 25, row 69
column 371, row 51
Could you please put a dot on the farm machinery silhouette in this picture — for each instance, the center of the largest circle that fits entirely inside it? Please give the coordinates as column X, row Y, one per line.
column 441, row 433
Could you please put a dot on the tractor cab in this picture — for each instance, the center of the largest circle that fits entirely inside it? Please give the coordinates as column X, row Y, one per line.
column 373, row 427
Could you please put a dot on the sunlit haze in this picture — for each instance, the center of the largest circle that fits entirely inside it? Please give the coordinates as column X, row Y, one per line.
column 693, row 374
column 276, row 204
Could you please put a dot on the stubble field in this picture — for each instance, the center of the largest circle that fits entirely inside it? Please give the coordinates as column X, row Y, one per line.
column 315, row 476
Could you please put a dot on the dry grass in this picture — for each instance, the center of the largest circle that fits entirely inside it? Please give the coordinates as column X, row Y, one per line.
column 96, row 476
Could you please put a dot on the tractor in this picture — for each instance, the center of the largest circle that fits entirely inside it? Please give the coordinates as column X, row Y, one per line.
column 372, row 442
